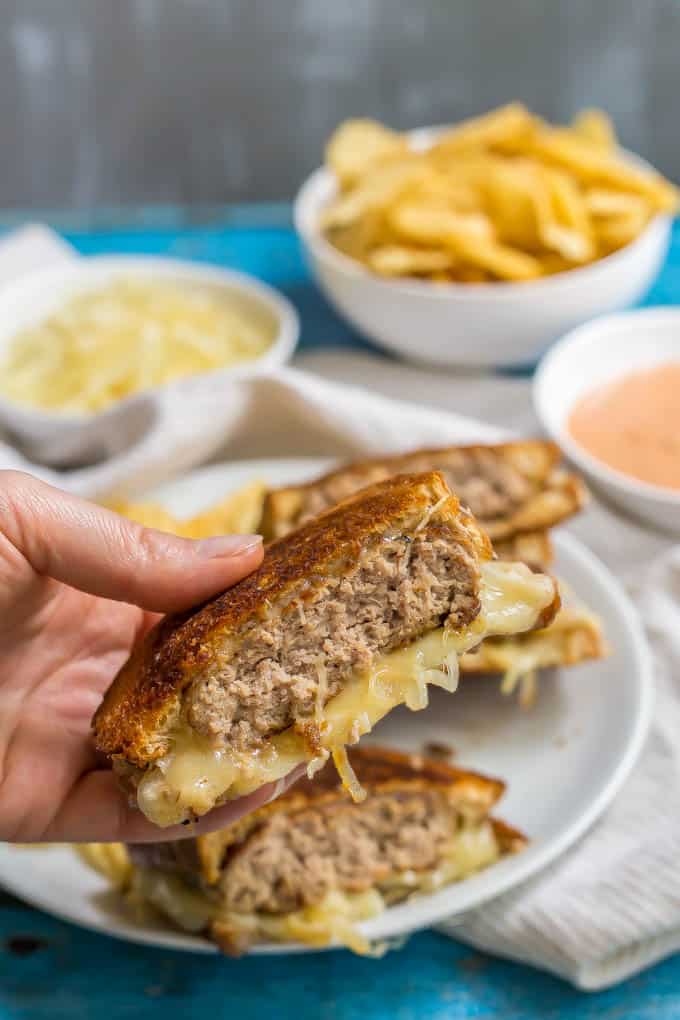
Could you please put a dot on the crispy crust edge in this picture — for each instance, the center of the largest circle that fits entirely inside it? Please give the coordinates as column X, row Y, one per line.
column 561, row 495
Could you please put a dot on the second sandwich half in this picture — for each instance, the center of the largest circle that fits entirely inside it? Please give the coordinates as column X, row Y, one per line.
column 350, row 615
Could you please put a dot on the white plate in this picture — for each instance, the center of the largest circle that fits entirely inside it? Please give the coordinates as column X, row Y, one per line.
column 564, row 760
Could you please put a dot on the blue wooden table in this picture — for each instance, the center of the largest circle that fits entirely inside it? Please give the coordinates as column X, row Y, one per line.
column 52, row 970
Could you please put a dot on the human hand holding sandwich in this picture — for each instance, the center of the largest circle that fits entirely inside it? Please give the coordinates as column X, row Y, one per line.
column 78, row 585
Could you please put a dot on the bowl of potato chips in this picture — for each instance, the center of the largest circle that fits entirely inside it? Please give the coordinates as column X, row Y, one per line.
column 481, row 243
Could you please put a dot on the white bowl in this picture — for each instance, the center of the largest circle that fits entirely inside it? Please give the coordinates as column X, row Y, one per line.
column 63, row 439
column 594, row 355
column 473, row 325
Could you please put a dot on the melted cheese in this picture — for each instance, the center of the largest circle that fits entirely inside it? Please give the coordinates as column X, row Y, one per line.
column 574, row 635
column 335, row 917
column 195, row 776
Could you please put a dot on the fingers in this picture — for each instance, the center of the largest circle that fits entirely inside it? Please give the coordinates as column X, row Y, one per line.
column 102, row 553
column 96, row 812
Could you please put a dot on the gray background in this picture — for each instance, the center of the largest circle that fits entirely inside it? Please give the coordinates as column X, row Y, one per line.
column 119, row 102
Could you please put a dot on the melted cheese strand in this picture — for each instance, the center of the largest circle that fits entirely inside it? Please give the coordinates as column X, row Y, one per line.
column 348, row 775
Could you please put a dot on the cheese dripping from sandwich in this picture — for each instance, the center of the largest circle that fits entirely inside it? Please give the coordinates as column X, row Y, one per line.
column 194, row 775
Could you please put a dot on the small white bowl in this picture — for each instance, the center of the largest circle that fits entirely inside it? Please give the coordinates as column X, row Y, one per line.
column 472, row 324
column 66, row 439
column 591, row 356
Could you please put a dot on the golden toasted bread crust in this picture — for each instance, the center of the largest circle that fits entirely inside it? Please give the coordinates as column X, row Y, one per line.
column 550, row 612
column 534, row 548
column 556, row 494
column 510, row 840
column 379, row 770
column 145, row 694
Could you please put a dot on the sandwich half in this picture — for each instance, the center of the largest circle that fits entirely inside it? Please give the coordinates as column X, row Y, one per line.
column 511, row 488
column 347, row 617
column 308, row 866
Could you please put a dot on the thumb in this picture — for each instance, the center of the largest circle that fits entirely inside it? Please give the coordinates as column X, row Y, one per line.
column 100, row 552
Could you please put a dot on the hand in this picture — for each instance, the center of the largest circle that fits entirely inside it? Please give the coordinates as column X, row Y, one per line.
column 78, row 585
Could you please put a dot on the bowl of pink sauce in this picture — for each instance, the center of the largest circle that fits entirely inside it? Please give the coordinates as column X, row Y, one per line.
column 609, row 394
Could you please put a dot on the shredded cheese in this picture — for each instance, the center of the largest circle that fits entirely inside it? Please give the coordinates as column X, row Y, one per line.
column 347, row 774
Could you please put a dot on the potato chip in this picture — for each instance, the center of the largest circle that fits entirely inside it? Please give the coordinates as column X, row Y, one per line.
column 471, row 274
column 510, row 190
column 469, row 235
column 605, row 202
column 373, row 193
column 613, row 232
column 590, row 165
column 359, row 144
column 433, row 222
column 239, row 514
column 596, row 127
column 565, row 227
column 553, row 263
column 508, row 125
column 499, row 259
column 433, row 185
column 149, row 515
column 401, row 260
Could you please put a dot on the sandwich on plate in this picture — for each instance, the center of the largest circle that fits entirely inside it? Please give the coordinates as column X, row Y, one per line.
column 512, row 489
column 309, row 866
column 517, row 492
column 355, row 612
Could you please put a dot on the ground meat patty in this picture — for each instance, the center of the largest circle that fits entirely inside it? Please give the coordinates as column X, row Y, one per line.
column 488, row 485
column 401, row 587
column 294, row 860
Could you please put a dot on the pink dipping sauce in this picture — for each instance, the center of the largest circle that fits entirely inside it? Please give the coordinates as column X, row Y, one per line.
column 633, row 424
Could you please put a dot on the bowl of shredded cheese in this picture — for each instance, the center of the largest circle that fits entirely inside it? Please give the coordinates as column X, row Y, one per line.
column 84, row 343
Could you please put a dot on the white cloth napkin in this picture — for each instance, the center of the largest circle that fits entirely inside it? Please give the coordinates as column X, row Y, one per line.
column 611, row 906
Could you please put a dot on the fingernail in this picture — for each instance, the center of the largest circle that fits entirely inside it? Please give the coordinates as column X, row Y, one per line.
column 279, row 788
column 228, row 545
column 284, row 784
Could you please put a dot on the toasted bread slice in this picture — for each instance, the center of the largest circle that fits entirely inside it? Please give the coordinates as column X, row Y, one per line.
column 347, row 617
column 534, row 548
column 511, row 488
column 309, row 865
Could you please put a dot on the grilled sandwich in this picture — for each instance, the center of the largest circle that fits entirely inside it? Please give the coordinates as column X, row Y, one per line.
column 308, row 866
column 516, row 491
column 511, row 488
column 352, row 614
